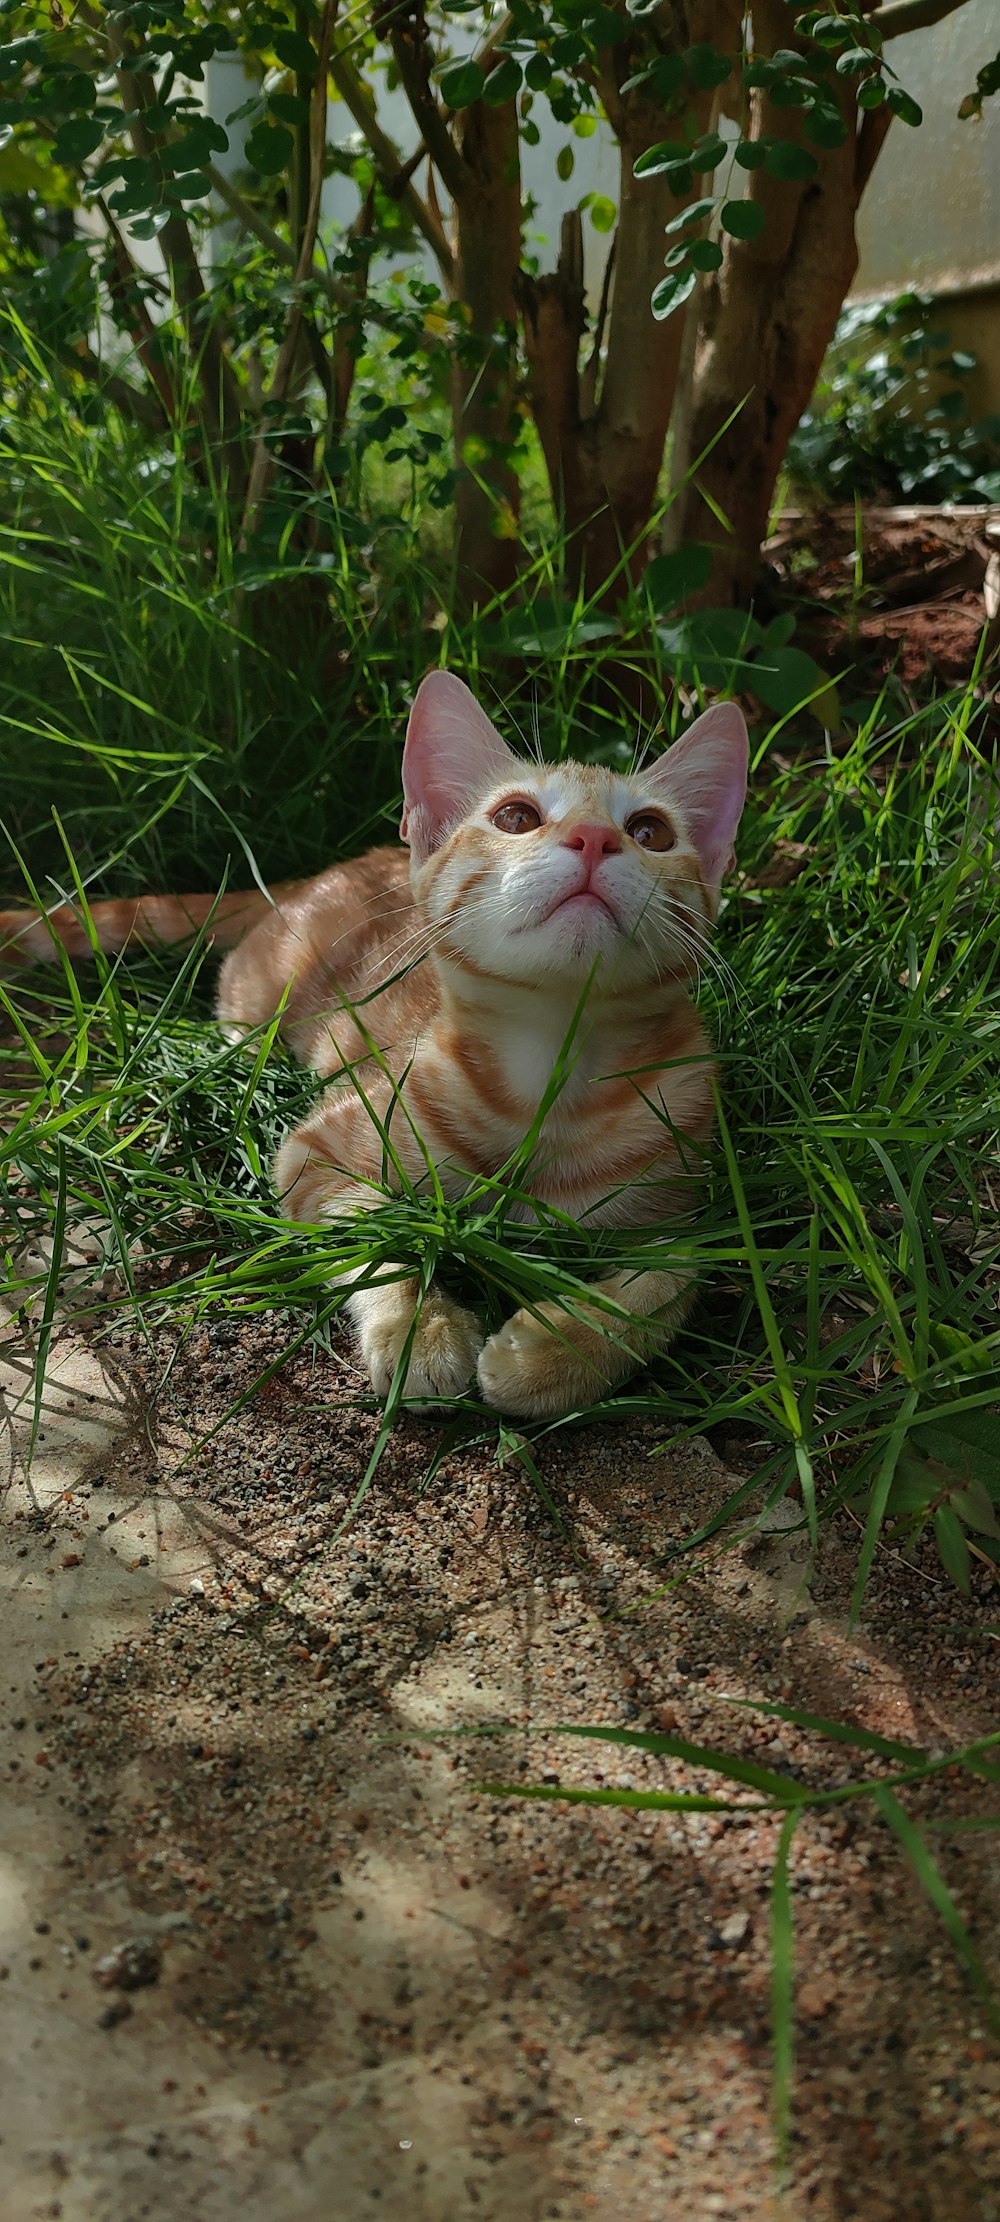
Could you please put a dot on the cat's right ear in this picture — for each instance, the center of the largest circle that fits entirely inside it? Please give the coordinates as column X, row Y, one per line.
column 452, row 756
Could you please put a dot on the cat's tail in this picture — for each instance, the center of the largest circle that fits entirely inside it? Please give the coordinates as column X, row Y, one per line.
column 152, row 921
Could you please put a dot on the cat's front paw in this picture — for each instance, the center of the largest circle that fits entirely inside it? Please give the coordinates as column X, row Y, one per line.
column 443, row 1353
column 538, row 1366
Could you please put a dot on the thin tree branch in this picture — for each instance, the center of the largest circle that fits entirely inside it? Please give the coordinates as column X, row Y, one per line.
column 871, row 140
column 411, row 62
column 592, row 367
column 389, row 163
column 263, row 463
column 124, row 290
column 900, row 16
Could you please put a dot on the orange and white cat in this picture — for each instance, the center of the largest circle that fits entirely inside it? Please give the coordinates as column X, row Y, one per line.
column 533, row 896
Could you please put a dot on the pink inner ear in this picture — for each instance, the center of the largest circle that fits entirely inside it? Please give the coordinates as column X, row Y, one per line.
column 453, row 755
column 705, row 774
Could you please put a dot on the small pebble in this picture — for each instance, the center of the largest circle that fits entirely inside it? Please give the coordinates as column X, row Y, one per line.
column 130, row 1966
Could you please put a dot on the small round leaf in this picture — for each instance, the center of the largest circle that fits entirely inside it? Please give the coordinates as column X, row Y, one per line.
column 672, row 292
column 603, row 213
column 872, row 93
column 704, row 254
column 904, row 106
column 74, row 140
column 462, row 83
column 269, row 148
column 742, row 219
column 504, row 82
column 751, row 153
column 785, row 159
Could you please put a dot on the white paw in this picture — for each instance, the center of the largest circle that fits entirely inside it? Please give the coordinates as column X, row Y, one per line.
column 526, row 1369
column 442, row 1355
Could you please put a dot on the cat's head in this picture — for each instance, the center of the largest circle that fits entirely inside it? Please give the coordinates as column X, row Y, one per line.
column 537, row 870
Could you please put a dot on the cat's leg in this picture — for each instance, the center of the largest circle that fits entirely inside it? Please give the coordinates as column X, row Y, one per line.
column 541, row 1364
column 312, row 1185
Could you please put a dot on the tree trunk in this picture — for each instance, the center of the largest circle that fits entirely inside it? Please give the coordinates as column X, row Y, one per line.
column 604, row 448
column 770, row 316
column 488, row 242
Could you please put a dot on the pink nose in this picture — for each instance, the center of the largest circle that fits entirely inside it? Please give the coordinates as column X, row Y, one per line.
column 593, row 843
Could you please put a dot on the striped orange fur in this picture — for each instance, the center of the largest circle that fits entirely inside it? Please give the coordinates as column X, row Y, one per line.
column 539, row 905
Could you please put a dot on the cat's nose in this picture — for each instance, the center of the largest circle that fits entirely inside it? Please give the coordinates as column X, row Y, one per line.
column 593, row 843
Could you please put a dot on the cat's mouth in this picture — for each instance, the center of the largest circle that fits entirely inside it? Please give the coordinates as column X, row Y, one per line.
column 580, row 900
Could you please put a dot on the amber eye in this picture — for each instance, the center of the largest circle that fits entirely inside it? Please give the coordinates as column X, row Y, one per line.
column 517, row 817
column 651, row 831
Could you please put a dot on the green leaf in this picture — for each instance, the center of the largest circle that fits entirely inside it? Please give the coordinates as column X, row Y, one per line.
column 936, row 1889
column 872, row 93
column 742, row 219
column 269, row 148
column 784, row 159
column 504, row 82
column 967, row 1443
column 837, row 1732
column 826, row 127
column 672, row 292
column 564, row 162
column 782, row 1990
column 784, row 679
column 694, row 213
column 766, row 1780
column 538, row 73
column 290, row 108
column 952, row 1547
column 854, row 62
column 830, row 30
column 194, row 185
column 636, row 1801
column 669, row 579
column 751, row 154
column 74, row 140
column 707, row 67
column 603, row 213
column 904, row 106
column 138, row 190
column 462, row 83
column 667, row 155
column 704, row 254
column 975, row 1508
column 707, row 152
column 295, row 50
column 195, row 147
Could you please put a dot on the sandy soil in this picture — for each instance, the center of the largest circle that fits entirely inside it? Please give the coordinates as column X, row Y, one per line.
column 376, row 1989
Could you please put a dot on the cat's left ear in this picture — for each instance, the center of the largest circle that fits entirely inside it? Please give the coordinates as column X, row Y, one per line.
column 453, row 755
column 705, row 775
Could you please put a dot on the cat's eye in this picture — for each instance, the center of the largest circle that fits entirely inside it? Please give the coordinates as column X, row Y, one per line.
column 650, row 831
column 517, row 817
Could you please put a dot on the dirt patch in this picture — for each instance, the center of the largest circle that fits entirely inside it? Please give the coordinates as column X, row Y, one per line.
column 904, row 590
column 375, row 1988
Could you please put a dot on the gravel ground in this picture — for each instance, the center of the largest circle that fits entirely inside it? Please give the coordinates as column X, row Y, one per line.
column 347, row 1981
